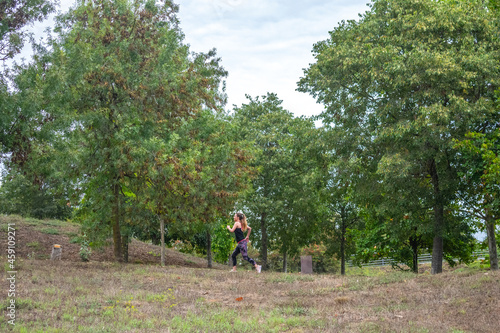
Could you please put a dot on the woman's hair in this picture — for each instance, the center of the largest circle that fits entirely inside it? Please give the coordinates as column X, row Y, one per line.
column 243, row 221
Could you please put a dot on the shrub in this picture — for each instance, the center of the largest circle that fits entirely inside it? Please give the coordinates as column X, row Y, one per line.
column 85, row 250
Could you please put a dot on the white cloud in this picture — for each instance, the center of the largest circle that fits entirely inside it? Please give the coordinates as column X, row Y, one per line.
column 264, row 45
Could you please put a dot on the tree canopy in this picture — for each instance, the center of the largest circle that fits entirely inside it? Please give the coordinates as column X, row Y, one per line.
column 117, row 122
column 284, row 197
column 113, row 86
column 400, row 84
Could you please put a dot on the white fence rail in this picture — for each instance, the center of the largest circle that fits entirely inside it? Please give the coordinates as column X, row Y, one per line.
column 422, row 259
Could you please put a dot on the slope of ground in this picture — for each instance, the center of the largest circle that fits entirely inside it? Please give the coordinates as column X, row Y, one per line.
column 35, row 238
column 104, row 296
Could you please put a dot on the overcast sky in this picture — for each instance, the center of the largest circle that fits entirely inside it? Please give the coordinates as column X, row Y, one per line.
column 264, row 44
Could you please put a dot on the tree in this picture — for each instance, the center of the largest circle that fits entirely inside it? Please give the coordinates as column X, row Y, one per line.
column 14, row 16
column 402, row 218
column 117, row 81
column 224, row 169
column 481, row 176
column 481, row 172
column 18, row 195
column 341, row 215
column 199, row 180
column 402, row 83
column 284, row 196
column 298, row 200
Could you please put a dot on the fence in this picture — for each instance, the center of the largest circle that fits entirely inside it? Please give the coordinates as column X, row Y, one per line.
column 422, row 259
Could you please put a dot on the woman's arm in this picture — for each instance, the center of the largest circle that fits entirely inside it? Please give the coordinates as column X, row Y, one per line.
column 249, row 231
column 236, row 225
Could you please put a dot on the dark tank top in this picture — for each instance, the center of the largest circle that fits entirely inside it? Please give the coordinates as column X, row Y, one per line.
column 238, row 233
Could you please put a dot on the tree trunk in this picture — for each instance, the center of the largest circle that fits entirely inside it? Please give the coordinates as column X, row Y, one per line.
column 125, row 247
column 437, row 245
column 162, row 240
column 263, row 229
column 209, row 250
column 115, row 218
column 414, row 251
column 342, row 240
column 492, row 243
column 285, row 263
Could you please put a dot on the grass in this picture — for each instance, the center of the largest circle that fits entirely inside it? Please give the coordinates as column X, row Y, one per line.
column 106, row 297
column 35, row 245
column 102, row 296
column 290, row 278
column 50, row 231
column 50, row 227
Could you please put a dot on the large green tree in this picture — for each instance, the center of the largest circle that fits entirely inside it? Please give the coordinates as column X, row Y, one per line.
column 341, row 214
column 481, row 177
column 198, row 180
column 481, row 172
column 224, row 169
column 15, row 16
column 117, row 81
column 284, row 196
column 401, row 83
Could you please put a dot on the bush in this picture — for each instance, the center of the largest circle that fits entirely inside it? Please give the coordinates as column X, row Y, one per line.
column 20, row 196
column 85, row 250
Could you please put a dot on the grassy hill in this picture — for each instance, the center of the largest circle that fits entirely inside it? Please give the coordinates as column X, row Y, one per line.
column 35, row 239
column 103, row 296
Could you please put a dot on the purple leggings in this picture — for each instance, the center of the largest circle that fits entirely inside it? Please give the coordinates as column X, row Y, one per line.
column 242, row 247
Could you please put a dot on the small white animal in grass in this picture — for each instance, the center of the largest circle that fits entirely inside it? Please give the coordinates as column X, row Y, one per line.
column 56, row 252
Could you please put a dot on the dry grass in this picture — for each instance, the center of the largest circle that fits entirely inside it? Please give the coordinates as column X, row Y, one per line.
column 101, row 296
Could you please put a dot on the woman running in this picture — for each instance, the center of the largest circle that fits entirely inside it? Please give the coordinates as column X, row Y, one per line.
column 240, row 225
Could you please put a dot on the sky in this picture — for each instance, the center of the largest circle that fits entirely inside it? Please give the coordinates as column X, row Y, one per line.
column 265, row 45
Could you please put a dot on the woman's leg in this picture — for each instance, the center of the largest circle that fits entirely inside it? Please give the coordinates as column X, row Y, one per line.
column 243, row 249
column 234, row 255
